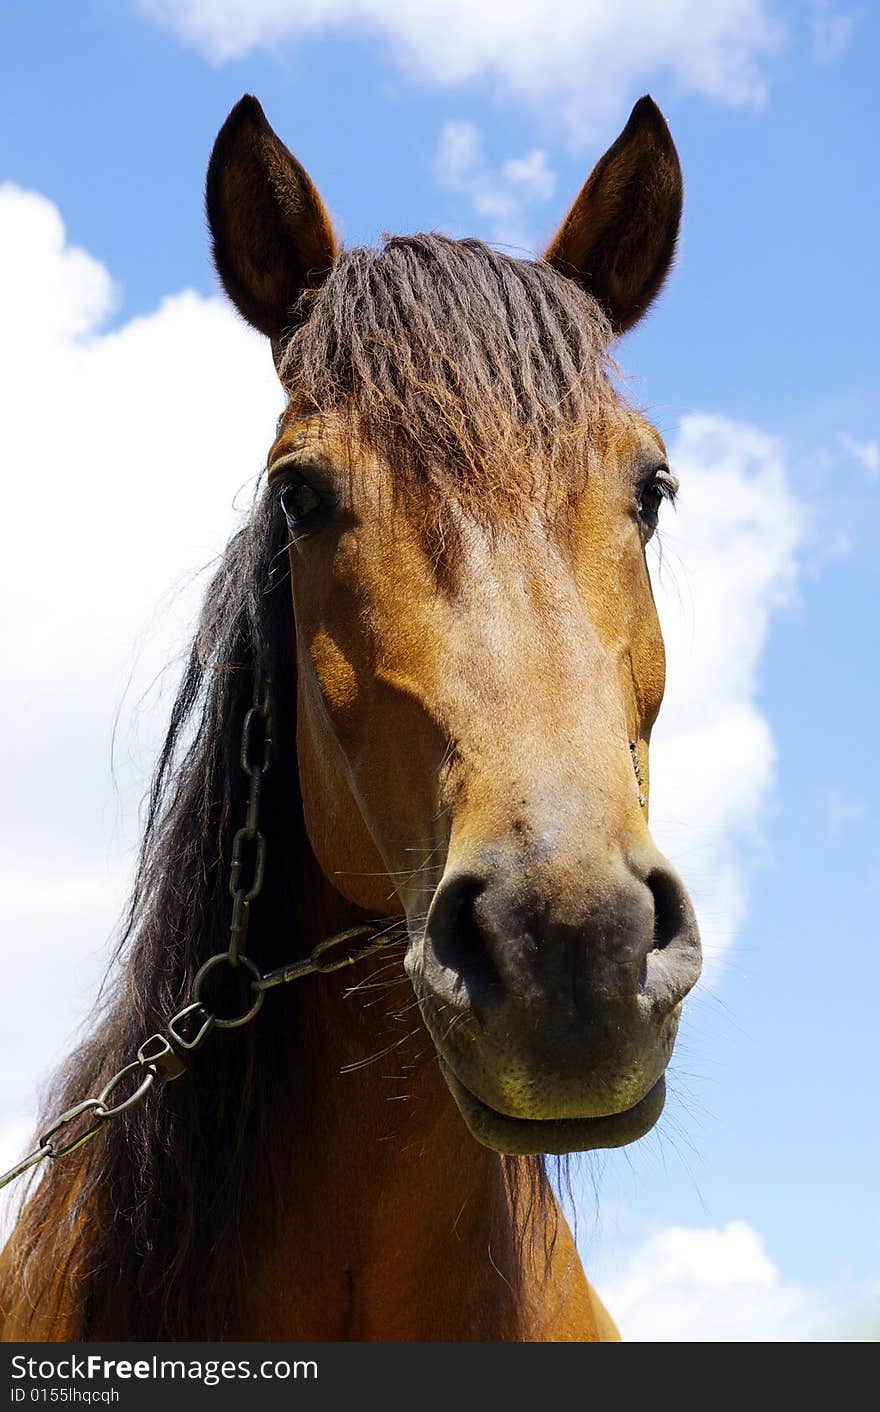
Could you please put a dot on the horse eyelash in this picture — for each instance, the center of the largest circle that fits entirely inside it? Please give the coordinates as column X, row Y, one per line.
column 666, row 483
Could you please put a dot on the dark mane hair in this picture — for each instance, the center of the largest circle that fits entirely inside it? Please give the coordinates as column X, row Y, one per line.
column 147, row 1222
column 459, row 364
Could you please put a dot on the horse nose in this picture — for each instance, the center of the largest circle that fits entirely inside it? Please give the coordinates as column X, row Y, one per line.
column 462, row 942
column 493, row 941
column 674, row 959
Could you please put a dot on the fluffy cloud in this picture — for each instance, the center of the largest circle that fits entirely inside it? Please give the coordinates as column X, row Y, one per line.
column 842, row 813
column 866, row 453
column 504, row 198
column 726, row 561
column 15, row 1135
column 691, row 1285
column 574, row 59
column 125, row 449
column 830, row 30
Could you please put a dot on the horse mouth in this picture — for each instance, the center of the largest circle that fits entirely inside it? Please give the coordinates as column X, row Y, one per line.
column 555, row 1136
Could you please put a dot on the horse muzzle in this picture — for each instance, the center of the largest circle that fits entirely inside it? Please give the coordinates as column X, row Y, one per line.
column 554, row 1013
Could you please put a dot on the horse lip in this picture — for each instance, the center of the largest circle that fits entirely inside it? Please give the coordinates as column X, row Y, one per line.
column 556, row 1136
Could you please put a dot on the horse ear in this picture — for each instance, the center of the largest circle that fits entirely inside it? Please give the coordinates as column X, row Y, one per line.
column 618, row 239
column 271, row 234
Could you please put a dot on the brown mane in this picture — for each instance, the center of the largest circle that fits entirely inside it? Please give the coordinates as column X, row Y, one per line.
column 459, row 365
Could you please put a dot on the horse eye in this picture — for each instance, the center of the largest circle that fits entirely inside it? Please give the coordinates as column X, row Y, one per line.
column 660, row 485
column 299, row 501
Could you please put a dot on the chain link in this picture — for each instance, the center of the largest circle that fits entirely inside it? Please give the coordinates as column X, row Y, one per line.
column 249, row 837
column 164, row 1057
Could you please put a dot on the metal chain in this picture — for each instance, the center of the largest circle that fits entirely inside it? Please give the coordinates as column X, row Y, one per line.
column 162, row 1058
column 250, row 835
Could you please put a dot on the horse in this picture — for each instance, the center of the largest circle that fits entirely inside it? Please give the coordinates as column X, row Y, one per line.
column 444, row 580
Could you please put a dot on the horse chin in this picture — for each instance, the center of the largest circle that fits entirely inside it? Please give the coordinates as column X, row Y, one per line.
column 555, row 1136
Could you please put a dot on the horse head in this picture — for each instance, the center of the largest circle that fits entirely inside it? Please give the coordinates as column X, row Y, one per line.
column 479, row 659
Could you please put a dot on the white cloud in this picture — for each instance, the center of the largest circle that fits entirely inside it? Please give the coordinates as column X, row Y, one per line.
column 75, row 294
column 867, row 453
column 842, row 812
column 575, row 59
column 15, row 1142
column 830, row 30
column 727, row 563
column 692, row 1285
column 503, row 199
column 531, row 174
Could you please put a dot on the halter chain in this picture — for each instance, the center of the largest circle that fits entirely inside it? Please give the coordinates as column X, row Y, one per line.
column 165, row 1056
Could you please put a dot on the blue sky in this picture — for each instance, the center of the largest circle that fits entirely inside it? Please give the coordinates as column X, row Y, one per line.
column 768, row 322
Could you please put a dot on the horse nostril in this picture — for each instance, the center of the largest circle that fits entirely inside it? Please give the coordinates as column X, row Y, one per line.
column 457, row 938
column 669, row 912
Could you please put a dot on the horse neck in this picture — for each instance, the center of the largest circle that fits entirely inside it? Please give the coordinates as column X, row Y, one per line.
column 381, row 1188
